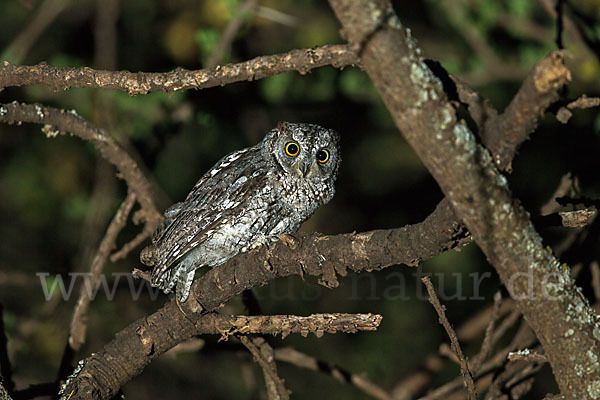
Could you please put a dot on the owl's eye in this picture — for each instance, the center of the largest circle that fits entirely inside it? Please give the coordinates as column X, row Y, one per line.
column 292, row 149
column 322, row 156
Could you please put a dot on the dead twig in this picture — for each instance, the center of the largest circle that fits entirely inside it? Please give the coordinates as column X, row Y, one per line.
column 5, row 366
column 527, row 355
column 488, row 340
column 263, row 355
column 129, row 246
column 564, row 113
column 78, row 324
column 464, row 367
column 303, row 360
column 232, row 28
column 44, row 16
column 595, row 279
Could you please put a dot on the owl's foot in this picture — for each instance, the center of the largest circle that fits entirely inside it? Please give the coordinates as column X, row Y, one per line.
column 289, row 240
column 149, row 255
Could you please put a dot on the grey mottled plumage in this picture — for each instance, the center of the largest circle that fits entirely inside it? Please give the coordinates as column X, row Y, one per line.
column 248, row 196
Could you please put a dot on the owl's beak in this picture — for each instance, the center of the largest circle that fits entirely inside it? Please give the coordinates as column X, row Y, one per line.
column 310, row 169
column 305, row 170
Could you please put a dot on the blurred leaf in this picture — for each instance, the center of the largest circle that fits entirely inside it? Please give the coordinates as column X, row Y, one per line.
column 597, row 125
column 216, row 13
column 26, row 190
column 357, row 85
column 487, row 14
column 76, row 207
column 319, row 86
column 317, row 31
column 180, row 39
column 530, row 54
column 275, row 88
column 521, row 8
column 138, row 115
column 206, row 39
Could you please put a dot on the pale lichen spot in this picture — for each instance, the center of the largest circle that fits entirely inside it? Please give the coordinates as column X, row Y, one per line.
column 464, row 137
column 593, row 389
column 39, row 112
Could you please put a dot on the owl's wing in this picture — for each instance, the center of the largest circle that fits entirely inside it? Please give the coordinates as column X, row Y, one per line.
column 217, row 196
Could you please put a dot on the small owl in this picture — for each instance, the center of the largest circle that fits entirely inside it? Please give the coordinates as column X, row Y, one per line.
column 249, row 196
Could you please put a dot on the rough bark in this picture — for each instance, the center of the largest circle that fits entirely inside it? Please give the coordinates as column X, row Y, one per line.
column 563, row 322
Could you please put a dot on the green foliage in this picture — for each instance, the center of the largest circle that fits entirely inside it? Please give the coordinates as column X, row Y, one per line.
column 275, row 88
column 139, row 114
column 206, row 39
column 521, row 8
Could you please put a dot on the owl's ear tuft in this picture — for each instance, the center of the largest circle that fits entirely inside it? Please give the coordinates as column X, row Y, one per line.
column 281, row 126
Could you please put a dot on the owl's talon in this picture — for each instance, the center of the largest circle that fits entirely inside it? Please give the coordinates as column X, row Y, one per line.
column 289, row 240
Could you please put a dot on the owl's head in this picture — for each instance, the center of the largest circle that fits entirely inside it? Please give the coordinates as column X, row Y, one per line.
column 306, row 151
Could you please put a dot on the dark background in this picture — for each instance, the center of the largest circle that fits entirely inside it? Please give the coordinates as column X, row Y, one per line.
column 57, row 195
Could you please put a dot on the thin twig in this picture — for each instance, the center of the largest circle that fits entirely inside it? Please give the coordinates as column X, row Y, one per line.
column 145, row 82
column 3, row 392
column 44, row 16
column 527, row 355
column 464, row 367
column 232, row 28
column 523, row 338
column 303, row 360
column 78, row 324
column 127, row 247
column 488, row 340
column 564, row 113
column 595, row 279
column 263, row 355
column 5, row 366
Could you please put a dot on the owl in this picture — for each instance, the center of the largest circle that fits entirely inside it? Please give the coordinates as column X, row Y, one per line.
column 250, row 196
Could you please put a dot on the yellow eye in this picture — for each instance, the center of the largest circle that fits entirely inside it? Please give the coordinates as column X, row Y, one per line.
column 292, row 149
column 322, row 156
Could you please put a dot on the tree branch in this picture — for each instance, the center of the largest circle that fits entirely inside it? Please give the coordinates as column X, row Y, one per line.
column 480, row 196
column 136, row 83
column 464, row 367
column 146, row 339
column 263, row 355
column 57, row 122
column 235, row 24
column 303, row 360
column 513, row 127
column 6, row 382
column 78, row 326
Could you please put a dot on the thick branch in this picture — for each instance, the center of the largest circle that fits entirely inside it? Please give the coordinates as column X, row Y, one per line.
column 136, row 83
column 480, row 196
column 514, row 126
column 147, row 338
